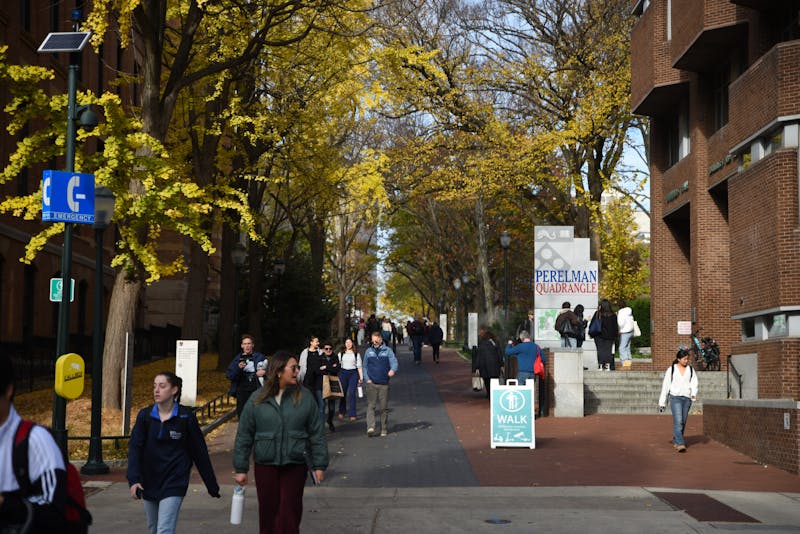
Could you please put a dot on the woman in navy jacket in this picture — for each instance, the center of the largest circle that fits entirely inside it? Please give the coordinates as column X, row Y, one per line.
column 166, row 439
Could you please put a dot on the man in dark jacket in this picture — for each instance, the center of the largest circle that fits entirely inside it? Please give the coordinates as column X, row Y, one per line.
column 568, row 324
column 380, row 365
column 435, row 337
column 416, row 329
column 244, row 372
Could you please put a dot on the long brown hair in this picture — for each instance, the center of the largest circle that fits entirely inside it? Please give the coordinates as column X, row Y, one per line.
column 277, row 362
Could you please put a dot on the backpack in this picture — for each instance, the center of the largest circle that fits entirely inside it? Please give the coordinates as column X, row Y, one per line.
column 672, row 372
column 76, row 516
column 417, row 329
column 566, row 328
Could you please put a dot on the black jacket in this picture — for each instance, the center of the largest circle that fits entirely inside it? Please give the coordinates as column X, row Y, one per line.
column 489, row 359
column 314, row 374
column 161, row 454
column 435, row 334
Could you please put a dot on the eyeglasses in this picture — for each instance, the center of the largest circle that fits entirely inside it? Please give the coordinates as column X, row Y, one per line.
column 292, row 367
column 327, row 348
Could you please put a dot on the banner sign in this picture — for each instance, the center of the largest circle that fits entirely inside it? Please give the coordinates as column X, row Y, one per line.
column 562, row 273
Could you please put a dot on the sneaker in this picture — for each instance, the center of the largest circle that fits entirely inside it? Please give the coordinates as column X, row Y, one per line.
column 354, row 418
column 370, row 432
column 384, row 433
column 341, row 417
column 681, row 448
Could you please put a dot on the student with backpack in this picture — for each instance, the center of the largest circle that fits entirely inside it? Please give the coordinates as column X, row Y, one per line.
column 35, row 496
column 680, row 383
column 165, row 441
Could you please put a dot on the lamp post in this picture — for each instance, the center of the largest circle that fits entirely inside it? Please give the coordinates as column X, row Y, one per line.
column 464, row 281
column 457, row 286
column 103, row 211
column 505, row 242
column 238, row 255
column 72, row 43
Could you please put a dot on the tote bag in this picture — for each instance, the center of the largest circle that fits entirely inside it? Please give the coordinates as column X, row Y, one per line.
column 331, row 387
column 636, row 331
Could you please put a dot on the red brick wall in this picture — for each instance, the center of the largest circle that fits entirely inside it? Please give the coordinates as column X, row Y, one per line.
column 757, row 432
column 763, row 218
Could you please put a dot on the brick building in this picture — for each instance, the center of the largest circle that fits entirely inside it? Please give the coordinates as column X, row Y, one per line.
column 28, row 320
column 720, row 81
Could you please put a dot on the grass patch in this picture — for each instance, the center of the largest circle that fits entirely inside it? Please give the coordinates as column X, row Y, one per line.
column 38, row 405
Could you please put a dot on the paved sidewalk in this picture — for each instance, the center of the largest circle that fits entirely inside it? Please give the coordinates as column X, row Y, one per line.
column 435, row 472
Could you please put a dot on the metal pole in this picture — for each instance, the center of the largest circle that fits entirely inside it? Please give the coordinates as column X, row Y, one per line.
column 236, row 340
column 62, row 339
column 94, row 464
column 505, row 286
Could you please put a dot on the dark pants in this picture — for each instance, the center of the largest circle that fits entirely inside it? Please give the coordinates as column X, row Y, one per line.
column 435, row 347
column 349, row 379
column 280, row 497
column 417, row 343
column 243, row 392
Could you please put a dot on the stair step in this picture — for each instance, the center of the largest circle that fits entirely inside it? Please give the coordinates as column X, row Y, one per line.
column 637, row 392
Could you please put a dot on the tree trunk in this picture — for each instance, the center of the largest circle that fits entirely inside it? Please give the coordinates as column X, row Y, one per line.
column 226, row 345
column 195, row 299
column 255, row 293
column 121, row 320
column 483, row 264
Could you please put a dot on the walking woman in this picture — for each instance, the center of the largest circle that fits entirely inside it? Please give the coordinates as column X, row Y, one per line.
column 607, row 336
column 351, row 376
column 680, row 385
column 489, row 358
column 286, row 420
column 320, row 365
column 166, row 439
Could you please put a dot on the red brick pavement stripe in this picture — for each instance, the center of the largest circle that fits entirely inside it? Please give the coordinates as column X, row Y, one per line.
column 597, row 450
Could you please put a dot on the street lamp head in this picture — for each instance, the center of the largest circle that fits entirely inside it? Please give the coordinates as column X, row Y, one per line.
column 104, row 202
column 238, row 254
column 505, row 240
column 87, row 118
column 457, row 283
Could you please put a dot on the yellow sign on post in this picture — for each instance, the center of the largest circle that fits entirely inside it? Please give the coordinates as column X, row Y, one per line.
column 70, row 371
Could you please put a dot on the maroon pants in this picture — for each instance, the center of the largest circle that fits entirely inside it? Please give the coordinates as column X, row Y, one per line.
column 280, row 497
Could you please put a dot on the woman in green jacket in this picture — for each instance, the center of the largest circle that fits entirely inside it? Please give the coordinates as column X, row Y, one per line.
column 279, row 423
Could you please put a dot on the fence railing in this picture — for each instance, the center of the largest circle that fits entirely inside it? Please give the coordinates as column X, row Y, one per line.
column 736, row 375
column 209, row 415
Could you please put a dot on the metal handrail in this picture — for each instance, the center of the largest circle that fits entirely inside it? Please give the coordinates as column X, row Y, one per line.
column 736, row 374
column 209, row 407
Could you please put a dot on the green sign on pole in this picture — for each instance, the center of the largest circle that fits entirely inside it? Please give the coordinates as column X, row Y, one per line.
column 512, row 409
column 56, row 287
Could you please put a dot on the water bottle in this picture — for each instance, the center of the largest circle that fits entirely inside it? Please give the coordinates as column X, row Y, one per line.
column 237, row 505
column 360, row 392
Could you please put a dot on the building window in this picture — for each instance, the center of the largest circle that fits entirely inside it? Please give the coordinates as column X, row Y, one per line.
column 788, row 21
column 678, row 137
column 54, row 15
column 775, row 325
column 748, row 329
column 721, row 81
column 25, row 14
column 669, row 20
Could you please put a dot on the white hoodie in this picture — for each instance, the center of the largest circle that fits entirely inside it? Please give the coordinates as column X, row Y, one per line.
column 625, row 320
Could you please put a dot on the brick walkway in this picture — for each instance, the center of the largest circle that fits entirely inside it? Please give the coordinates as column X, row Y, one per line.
column 597, row 450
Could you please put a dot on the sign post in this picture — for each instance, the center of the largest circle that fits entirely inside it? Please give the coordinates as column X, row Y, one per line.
column 186, row 368
column 512, row 411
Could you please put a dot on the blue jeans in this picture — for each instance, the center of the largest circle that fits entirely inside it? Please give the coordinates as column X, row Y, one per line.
column 680, row 412
column 523, row 376
column 567, row 341
column 162, row 516
column 625, row 345
column 417, row 342
column 349, row 380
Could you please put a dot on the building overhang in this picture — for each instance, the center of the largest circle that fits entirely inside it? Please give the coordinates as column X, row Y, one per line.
column 662, row 99
column 711, row 47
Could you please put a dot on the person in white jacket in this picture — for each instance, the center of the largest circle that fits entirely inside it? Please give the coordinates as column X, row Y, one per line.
column 680, row 382
column 625, row 326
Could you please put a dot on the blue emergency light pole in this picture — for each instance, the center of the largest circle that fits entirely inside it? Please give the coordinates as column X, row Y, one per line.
column 72, row 43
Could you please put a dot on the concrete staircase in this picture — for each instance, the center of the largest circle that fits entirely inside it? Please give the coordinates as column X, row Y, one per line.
column 636, row 392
